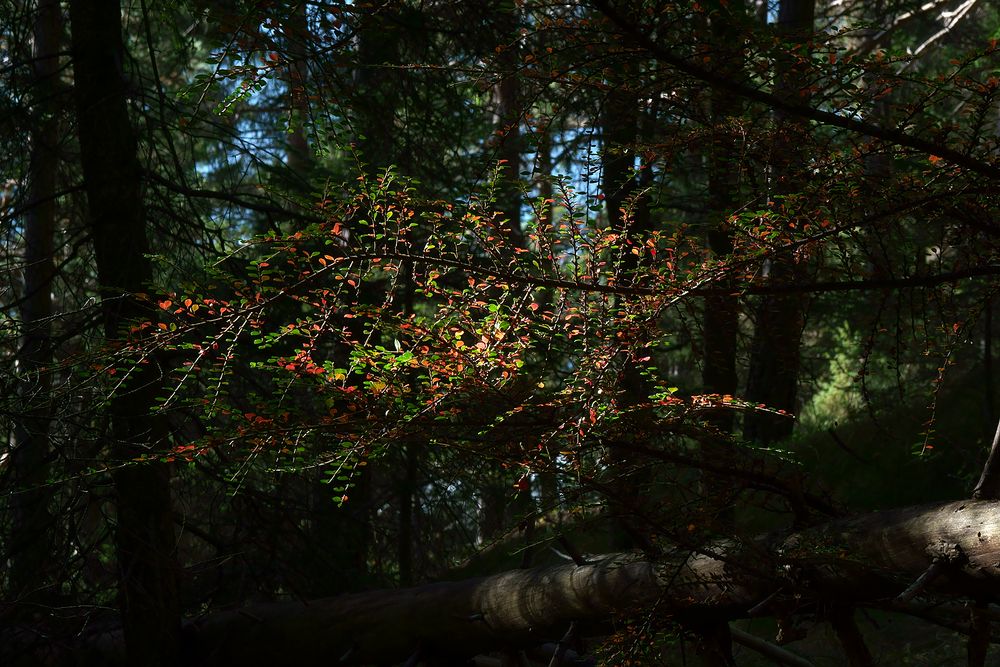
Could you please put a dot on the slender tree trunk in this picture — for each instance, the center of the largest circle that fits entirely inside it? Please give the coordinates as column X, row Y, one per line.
column 720, row 323
column 377, row 86
column 721, row 312
column 496, row 508
column 774, row 363
column 714, row 643
column 300, row 158
column 548, row 479
column 620, row 132
column 116, row 218
column 989, row 392
column 338, row 536
column 509, row 112
column 32, row 544
column 343, row 534
column 628, row 214
column 850, row 637
column 407, row 508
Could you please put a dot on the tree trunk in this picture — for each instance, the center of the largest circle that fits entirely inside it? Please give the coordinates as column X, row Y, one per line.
column 377, row 86
column 299, row 155
column 509, row 112
column 720, row 322
column 408, row 507
column 628, row 214
column 31, row 547
column 721, row 312
column 774, row 364
column 116, row 218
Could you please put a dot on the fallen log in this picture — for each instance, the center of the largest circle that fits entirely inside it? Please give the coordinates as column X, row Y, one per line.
column 868, row 559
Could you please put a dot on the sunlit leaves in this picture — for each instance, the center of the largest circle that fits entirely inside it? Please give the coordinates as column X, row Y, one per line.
column 399, row 316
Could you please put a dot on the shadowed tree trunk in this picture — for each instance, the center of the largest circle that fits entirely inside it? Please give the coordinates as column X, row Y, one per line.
column 498, row 504
column 509, row 111
column 780, row 319
column 620, row 132
column 31, row 547
column 720, row 323
column 341, row 537
column 300, row 158
column 628, row 214
column 377, row 86
column 721, row 312
column 117, row 223
column 408, row 507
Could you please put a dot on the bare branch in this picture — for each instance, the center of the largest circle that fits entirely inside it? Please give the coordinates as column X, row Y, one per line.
column 988, row 486
column 768, row 650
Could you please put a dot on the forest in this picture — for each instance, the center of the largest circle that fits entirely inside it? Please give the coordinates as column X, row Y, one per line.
column 508, row 334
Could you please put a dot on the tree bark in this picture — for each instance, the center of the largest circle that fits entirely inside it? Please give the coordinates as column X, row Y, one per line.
column 775, row 355
column 299, row 155
column 117, row 223
column 720, row 322
column 847, row 631
column 377, row 83
column 31, row 546
column 509, row 112
column 628, row 214
column 720, row 319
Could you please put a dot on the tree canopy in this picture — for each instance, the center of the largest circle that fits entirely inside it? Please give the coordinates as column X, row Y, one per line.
column 437, row 332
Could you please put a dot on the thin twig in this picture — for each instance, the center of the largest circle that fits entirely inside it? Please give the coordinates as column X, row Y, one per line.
column 851, row 638
column 935, row 570
column 989, row 482
column 560, row 652
column 979, row 635
column 767, row 649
